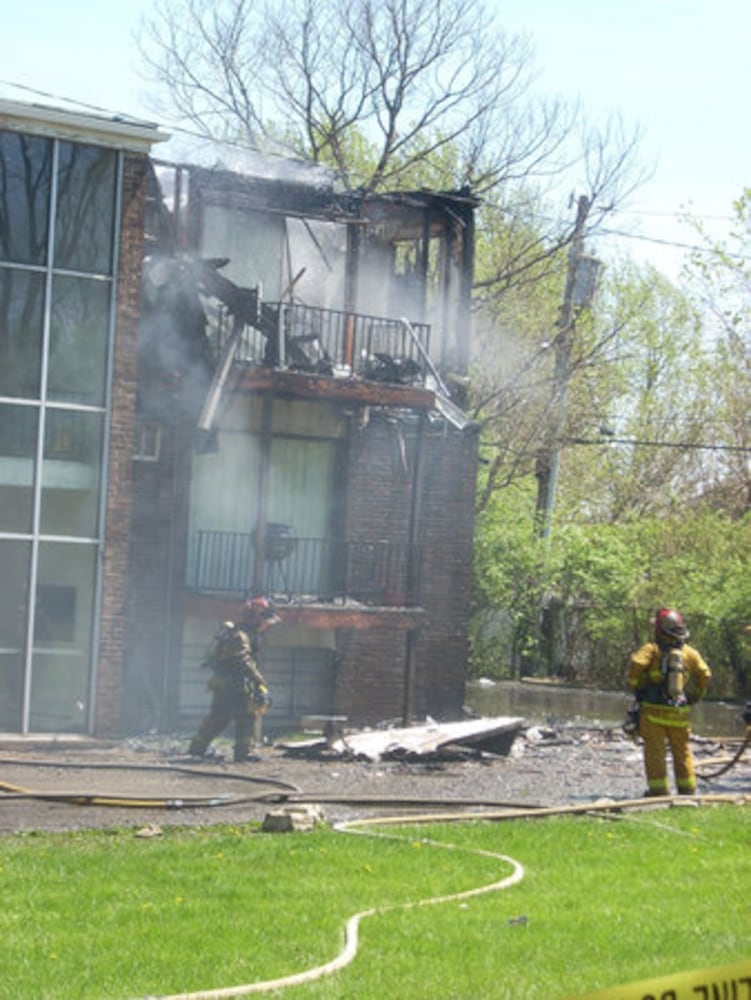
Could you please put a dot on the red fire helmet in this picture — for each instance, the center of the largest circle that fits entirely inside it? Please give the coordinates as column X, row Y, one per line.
column 261, row 610
column 669, row 626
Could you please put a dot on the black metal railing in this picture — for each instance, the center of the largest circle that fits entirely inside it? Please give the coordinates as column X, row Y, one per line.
column 323, row 569
column 334, row 342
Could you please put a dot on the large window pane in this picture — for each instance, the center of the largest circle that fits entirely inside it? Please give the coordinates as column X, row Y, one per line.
column 78, row 340
column 71, row 473
column 85, row 208
column 25, row 171
column 18, row 437
column 62, row 638
column 21, row 300
column 14, row 587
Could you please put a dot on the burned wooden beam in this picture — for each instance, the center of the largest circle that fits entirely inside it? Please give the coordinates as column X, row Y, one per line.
column 305, row 385
column 315, row 616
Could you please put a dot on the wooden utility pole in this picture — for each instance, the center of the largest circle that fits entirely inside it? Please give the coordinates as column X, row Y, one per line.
column 549, row 459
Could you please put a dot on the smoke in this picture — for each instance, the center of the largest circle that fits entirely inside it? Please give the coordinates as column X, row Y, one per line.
column 210, row 154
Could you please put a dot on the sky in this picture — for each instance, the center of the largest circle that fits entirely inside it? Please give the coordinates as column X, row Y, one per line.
column 676, row 69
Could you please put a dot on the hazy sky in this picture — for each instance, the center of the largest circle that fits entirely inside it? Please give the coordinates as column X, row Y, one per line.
column 679, row 69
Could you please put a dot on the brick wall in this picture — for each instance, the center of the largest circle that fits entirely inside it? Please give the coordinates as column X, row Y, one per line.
column 369, row 681
column 370, row 684
column 161, row 493
column 447, row 506
column 115, row 557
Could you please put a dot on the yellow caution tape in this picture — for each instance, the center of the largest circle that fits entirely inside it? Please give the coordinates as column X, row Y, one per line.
column 722, row 982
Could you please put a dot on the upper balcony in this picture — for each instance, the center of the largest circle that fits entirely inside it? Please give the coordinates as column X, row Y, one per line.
column 326, row 342
column 197, row 327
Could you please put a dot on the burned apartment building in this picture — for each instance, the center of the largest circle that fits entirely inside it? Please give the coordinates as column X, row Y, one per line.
column 217, row 383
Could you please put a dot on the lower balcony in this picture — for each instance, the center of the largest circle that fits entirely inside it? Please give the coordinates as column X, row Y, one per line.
column 322, row 570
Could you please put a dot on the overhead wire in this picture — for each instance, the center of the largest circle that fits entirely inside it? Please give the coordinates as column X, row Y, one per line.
column 682, row 445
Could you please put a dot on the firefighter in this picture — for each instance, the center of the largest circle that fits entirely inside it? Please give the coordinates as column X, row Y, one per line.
column 238, row 689
column 667, row 676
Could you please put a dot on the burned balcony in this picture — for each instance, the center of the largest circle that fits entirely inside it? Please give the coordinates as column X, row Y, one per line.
column 330, row 342
column 376, row 573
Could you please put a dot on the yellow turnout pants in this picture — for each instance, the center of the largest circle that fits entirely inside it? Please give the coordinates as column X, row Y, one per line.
column 661, row 726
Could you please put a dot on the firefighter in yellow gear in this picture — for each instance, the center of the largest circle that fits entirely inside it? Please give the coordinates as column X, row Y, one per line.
column 238, row 689
column 667, row 676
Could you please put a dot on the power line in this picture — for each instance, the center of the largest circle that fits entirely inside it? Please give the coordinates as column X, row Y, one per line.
column 648, row 214
column 674, row 244
column 686, row 445
column 172, row 126
column 668, row 243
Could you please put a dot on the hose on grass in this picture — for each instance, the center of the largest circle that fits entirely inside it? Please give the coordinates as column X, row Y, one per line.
column 351, row 928
column 470, row 810
column 364, row 827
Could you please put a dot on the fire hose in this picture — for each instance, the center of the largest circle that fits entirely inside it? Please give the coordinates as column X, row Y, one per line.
column 364, row 827
column 708, row 776
column 471, row 810
column 10, row 792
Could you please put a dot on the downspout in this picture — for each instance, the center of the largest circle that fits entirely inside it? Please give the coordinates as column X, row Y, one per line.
column 425, row 261
column 168, row 708
column 413, row 576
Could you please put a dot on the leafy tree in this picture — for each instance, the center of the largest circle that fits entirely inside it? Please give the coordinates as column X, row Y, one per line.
column 640, row 405
column 720, row 279
column 510, row 574
column 577, row 608
column 636, row 525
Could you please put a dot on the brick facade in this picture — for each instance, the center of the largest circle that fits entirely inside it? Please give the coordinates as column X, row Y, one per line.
column 122, row 422
column 447, row 506
column 404, row 477
column 372, row 666
column 386, row 460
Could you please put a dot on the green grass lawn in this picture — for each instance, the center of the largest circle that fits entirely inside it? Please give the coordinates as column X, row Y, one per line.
column 107, row 915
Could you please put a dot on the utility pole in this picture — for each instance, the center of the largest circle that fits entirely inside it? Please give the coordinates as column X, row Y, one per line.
column 581, row 278
column 549, row 459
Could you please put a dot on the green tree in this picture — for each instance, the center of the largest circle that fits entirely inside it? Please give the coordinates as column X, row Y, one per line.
column 720, row 279
column 638, row 524
column 640, row 404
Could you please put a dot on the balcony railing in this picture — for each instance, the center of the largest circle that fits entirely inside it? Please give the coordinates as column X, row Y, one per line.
column 333, row 342
column 373, row 573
